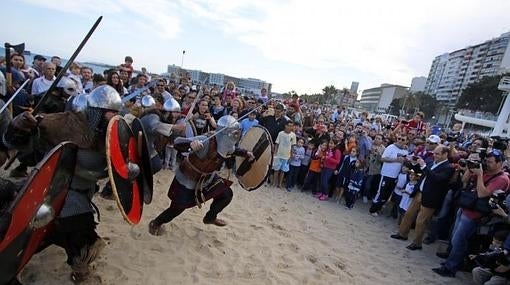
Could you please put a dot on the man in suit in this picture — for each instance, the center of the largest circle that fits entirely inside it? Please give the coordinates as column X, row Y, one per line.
column 428, row 197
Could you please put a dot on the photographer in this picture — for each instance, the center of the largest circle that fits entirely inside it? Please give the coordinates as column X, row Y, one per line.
column 493, row 266
column 481, row 181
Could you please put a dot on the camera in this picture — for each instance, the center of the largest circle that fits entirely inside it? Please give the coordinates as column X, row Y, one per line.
column 452, row 137
column 470, row 164
column 498, row 198
column 491, row 259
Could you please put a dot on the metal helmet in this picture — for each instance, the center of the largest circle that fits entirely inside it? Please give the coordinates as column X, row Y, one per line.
column 228, row 138
column 68, row 85
column 171, row 105
column 79, row 102
column 105, row 97
column 148, row 101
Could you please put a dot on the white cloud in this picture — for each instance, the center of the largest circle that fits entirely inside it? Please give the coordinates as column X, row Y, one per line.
column 386, row 41
column 159, row 16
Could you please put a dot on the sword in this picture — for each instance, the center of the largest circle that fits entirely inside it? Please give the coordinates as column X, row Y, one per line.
column 139, row 91
column 193, row 104
column 44, row 97
column 226, row 127
column 14, row 96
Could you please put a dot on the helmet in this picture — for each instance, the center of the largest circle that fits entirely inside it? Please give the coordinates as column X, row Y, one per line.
column 105, row 97
column 228, row 138
column 79, row 102
column 148, row 101
column 171, row 105
column 68, row 85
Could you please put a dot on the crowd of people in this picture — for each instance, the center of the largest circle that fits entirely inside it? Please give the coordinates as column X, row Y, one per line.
column 449, row 186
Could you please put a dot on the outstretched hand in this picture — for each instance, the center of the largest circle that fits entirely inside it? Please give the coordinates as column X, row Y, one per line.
column 196, row 145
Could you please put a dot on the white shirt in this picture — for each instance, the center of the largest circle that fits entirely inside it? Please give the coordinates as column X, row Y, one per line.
column 41, row 84
column 392, row 169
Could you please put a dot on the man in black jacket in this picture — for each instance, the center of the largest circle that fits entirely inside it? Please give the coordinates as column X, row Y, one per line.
column 428, row 197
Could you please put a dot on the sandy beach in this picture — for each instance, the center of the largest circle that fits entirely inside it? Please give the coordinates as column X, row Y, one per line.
column 273, row 237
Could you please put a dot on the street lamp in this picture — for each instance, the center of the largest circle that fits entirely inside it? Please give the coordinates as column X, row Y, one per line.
column 182, row 59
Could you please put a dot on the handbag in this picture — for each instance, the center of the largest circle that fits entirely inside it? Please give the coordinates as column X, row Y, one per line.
column 470, row 200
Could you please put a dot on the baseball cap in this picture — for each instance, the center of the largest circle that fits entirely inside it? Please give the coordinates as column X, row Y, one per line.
column 434, row 139
column 39, row 57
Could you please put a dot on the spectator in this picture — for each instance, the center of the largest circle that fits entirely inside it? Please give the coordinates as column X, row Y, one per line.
column 37, row 65
column 344, row 173
column 355, row 184
column 283, row 147
column 248, row 123
column 57, row 61
column 392, row 158
column 274, row 123
column 305, row 163
column 483, row 183
column 86, row 79
column 44, row 82
column 408, row 190
column 332, row 158
column 298, row 154
column 374, row 168
column 313, row 175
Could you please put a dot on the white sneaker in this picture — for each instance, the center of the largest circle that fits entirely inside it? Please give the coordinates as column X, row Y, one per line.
column 365, row 199
column 374, row 214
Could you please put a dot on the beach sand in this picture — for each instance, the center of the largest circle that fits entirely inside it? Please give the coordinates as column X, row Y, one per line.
column 273, row 237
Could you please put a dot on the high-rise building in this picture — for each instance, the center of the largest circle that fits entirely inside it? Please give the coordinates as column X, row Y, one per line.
column 243, row 85
column 418, row 84
column 354, row 87
column 450, row 73
column 378, row 99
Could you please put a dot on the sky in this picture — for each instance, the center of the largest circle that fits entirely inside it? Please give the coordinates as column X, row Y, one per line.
column 296, row 45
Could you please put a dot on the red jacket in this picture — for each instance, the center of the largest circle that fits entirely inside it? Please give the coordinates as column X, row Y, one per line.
column 332, row 159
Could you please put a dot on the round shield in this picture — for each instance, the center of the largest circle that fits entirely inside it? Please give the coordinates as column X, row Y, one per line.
column 124, row 169
column 252, row 174
column 29, row 218
column 143, row 151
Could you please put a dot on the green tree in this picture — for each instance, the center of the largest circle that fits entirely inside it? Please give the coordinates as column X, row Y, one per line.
column 418, row 101
column 482, row 95
column 329, row 92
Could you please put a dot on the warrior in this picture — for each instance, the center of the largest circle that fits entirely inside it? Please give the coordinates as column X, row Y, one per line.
column 195, row 179
column 160, row 123
column 75, row 229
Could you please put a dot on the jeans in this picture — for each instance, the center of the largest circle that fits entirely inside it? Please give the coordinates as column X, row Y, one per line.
column 440, row 229
column 464, row 229
column 311, row 181
column 303, row 169
column 326, row 174
column 292, row 176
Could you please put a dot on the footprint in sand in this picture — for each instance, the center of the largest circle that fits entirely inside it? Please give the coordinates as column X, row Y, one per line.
column 312, row 259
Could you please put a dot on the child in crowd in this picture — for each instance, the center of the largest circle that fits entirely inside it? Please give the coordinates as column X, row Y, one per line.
column 74, row 74
column 305, row 163
column 344, row 173
column 283, row 144
column 315, row 169
column 330, row 161
column 406, row 199
column 399, row 187
column 355, row 182
column 248, row 123
column 298, row 153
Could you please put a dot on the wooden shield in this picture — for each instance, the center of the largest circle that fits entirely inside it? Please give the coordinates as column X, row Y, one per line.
column 30, row 217
column 145, row 178
column 124, row 171
column 252, row 174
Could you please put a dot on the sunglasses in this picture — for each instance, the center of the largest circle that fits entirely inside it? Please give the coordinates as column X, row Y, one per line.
column 495, row 153
column 402, row 139
column 160, row 85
